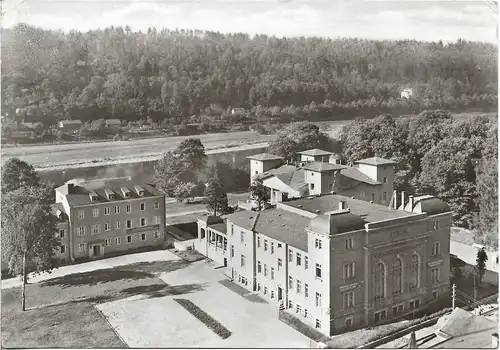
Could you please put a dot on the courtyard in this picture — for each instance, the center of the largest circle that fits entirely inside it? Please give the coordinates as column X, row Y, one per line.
column 134, row 304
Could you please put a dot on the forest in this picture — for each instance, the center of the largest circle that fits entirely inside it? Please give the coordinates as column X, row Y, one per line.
column 175, row 77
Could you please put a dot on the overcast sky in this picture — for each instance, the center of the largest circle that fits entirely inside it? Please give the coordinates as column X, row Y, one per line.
column 389, row 19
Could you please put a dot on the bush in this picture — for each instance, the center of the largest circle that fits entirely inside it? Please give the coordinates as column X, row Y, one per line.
column 201, row 315
column 301, row 327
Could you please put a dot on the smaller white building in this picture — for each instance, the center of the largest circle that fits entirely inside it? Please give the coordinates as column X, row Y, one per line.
column 407, row 93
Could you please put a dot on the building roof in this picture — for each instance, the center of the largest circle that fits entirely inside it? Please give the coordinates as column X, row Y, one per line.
column 355, row 174
column 468, row 254
column 370, row 212
column 335, row 223
column 322, row 166
column 82, row 189
column 375, row 161
column 220, row 227
column 284, row 169
column 315, row 152
column 55, row 208
column 70, row 122
column 295, row 179
column 430, row 205
column 462, row 235
column 264, row 156
column 279, row 224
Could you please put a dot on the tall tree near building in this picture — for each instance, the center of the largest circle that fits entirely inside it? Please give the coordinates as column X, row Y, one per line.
column 216, row 195
column 28, row 233
column 17, row 173
column 259, row 192
column 481, row 259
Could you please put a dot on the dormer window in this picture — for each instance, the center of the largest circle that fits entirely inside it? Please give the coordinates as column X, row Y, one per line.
column 125, row 192
column 140, row 191
column 93, row 196
column 109, row 194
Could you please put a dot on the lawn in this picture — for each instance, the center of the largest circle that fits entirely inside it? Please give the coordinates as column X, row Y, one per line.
column 61, row 312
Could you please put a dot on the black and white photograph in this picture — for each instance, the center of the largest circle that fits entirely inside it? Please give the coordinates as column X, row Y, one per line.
column 249, row 174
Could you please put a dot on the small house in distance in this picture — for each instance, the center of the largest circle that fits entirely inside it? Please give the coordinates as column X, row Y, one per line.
column 69, row 125
column 110, row 123
column 407, row 93
column 18, row 131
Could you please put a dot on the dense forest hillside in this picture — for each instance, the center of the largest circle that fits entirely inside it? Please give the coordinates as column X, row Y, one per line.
column 172, row 76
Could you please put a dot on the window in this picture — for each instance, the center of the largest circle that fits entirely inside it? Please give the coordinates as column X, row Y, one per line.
column 144, row 222
column 265, row 290
column 143, row 236
column 107, row 226
column 348, row 300
column 305, row 313
column 129, row 224
column 435, row 248
column 61, row 233
column 379, row 281
column 117, row 225
column 118, row 240
column 290, row 304
column 317, row 243
column 265, row 270
column 306, row 290
column 318, row 299
column 385, row 179
column 349, row 271
column 242, row 236
column 272, row 247
column 312, row 186
column 290, row 282
column 348, row 243
column 299, row 259
column 414, row 271
column 280, row 263
column 435, row 225
column 373, row 197
column 143, row 206
column 318, row 271
column 258, row 242
column 258, row 267
column 95, row 212
column 129, row 239
column 129, row 208
column 156, row 235
column 63, row 249
column 94, row 229
column 157, row 205
column 306, row 262
column 265, row 245
column 298, row 309
column 348, row 323
column 108, row 242
column 434, row 294
column 318, row 324
column 272, row 273
column 414, row 304
column 106, row 211
column 397, row 310
column 258, row 286
column 232, row 251
column 384, row 196
column 242, row 260
column 81, row 214
column 279, row 245
column 202, row 233
column 435, row 274
column 117, row 209
column 397, row 280
column 80, row 231
column 290, row 255
column 81, row 247
column 272, row 294
column 380, row 316
column 298, row 286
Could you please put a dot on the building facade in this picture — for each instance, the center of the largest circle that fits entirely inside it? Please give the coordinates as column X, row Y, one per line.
column 108, row 216
column 335, row 262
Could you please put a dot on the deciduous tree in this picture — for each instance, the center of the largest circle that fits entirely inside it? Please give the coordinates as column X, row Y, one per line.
column 259, row 193
column 481, row 259
column 17, row 173
column 216, row 195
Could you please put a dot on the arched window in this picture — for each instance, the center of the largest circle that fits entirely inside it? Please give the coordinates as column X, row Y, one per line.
column 202, row 233
column 397, row 280
column 379, row 281
column 415, row 271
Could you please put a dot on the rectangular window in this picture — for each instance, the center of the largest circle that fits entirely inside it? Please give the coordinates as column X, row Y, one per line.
column 95, row 212
column 349, row 271
column 318, row 324
column 258, row 242
column 306, row 262
column 143, row 206
column 157, row 205
column 318, row 271
column 272, row 247
column 118, row 240
column 298, row 309
column 117, row 225
column 108, row 242
column 348, row 323
column 348, row 300
column 290, row 255
column 156, row 220
column 380, row 316
column 385, row 179
column 265, row 290
column 397, row 310
column 232, row 251
column 305, row 313
column 317, row 243
column 106, row 211
column 259, row 267
column 280, row 263
column 435, row 225
column 272, row 273
column 129, row 208
column 242, row 260
column 312, row 186
column 129, row 224
column 81, row 231
column 348, row 243
column 318, row 299
column 306, row 290
column 61, row 233
column 435, row 274
column 81, row 214
column 156, row 235
column 265, row 245
column 107, row 226
column 81, row 247
column 129, row 239
column 117, row 209
column 272, row 294
column 94, row 229
column 290, row 304
column 144, row 222
column 298, row 287
column 299, row 259
column 290, row 282
column 242, row 237
column 384, row 196
column 265, row 270
column 63, row 249
column 435, row 248
column 143, row 236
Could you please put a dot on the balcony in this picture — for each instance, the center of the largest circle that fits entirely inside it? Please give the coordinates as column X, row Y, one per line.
column 143, row 229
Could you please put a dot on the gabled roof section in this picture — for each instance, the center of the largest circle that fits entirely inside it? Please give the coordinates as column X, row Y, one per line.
column 462, row 322
column 322, row 166
column 375, row 161
column 265, row 156
column 315, row 152
column 355, row 174
column 295, row 180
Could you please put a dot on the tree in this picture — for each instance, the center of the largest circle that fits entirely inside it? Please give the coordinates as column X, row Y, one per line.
column 259, row 192
column 28, row 233
column 216, row 195
column 481, row 259
column 17, row 173
column 184, row 191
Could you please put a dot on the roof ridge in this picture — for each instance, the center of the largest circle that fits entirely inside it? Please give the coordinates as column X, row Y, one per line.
column 254, row 223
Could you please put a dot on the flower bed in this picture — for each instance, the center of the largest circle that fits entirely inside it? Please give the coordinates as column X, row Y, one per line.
column 201, row 315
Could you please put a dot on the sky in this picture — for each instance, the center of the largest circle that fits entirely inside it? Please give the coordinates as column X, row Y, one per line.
column 373, row 19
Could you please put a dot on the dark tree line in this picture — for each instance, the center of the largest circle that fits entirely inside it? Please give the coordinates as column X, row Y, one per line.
column 173, row 75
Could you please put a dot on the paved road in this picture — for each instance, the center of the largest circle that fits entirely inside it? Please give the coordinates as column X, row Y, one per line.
column 56, row 154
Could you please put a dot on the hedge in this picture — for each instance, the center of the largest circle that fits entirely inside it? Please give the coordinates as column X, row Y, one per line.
column 201, row 315
column 301, row 327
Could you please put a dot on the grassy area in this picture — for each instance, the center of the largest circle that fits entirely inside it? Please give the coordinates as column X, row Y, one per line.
column 61, row 313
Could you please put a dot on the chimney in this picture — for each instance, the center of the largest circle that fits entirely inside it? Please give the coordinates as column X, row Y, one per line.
column 71, row 188
column 342, row 205
column 494, row 340
column 403, row 199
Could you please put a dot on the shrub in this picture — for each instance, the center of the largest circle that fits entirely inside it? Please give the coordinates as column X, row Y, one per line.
column 201, row 315
column 301, row 327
